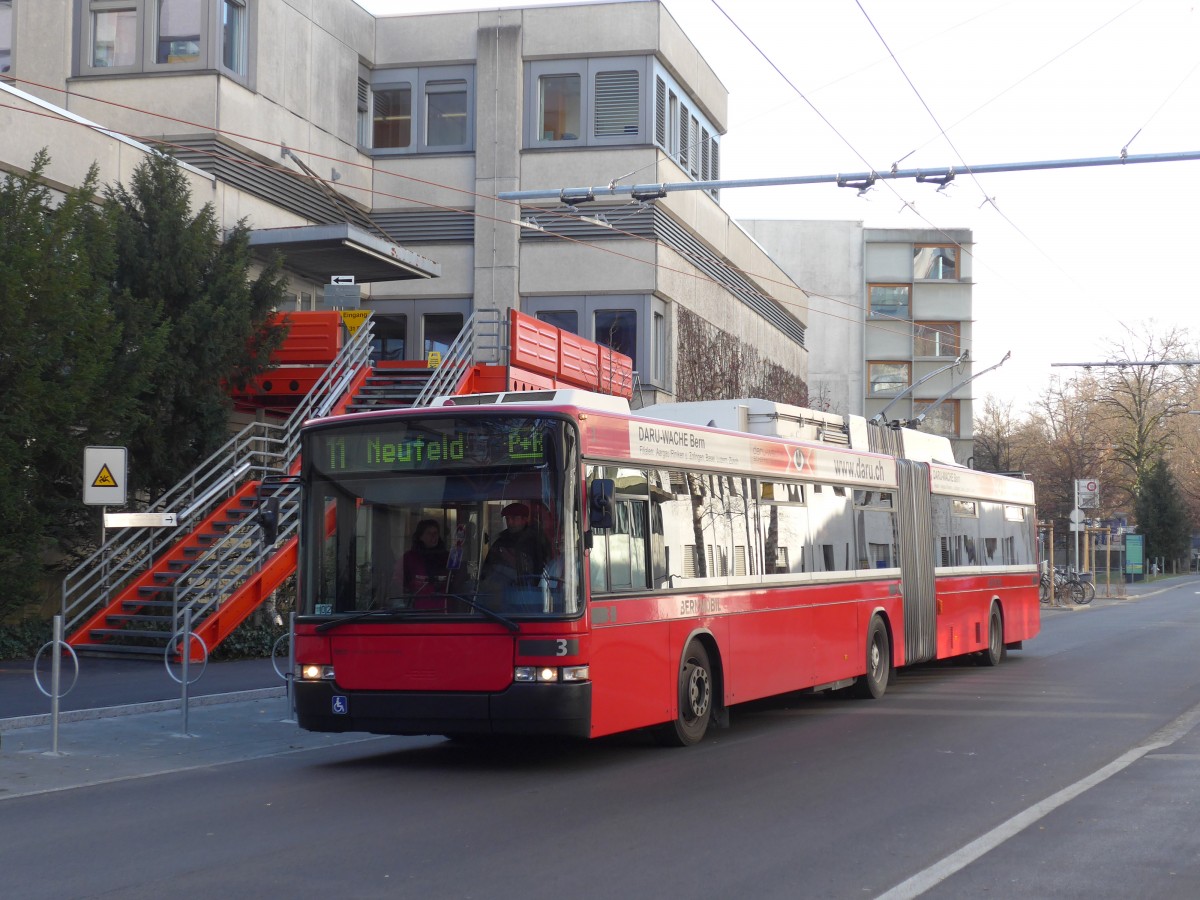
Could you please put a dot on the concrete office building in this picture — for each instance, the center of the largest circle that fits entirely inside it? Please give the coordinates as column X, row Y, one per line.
column 376, row 146
column 892, row 306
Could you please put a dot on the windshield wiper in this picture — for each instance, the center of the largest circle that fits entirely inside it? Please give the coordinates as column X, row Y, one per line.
column 364, row 614
column 490, row 613
column 400, row 612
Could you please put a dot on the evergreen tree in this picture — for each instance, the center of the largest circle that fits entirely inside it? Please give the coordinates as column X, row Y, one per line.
column 1161, row 515
column 59, row 343
column 184, row 281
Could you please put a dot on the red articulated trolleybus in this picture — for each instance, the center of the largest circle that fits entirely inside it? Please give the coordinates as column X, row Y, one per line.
column 548, row 563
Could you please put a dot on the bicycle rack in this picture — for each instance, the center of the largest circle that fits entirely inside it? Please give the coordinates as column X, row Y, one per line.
column 55, row 693
column 185, row 652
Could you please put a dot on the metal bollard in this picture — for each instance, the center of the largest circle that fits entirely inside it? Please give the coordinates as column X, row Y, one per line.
column 186, row 653
column 55, row 693
column 289, row 677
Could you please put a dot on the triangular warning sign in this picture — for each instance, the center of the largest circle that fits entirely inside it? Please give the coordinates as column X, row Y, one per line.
column 104, row 478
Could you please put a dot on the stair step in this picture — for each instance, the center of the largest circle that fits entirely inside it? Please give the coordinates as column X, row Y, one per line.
column 147, row 604
column 118, row 618
column 118, row 650
column 163, row 636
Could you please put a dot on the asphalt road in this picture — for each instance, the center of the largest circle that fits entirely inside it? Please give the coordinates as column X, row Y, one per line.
column 1072, row 770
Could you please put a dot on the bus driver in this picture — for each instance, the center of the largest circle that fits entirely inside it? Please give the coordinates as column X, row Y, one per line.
column 519, row 553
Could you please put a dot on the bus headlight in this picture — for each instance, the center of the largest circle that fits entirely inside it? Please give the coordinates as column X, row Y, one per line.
column 315, row 673
column 549, row 674
column 575, row 673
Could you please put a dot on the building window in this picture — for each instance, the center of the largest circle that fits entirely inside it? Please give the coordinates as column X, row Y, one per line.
column 617, row 330
column 444, row 122
column 142, row 36
column 446, row 113
column 440, row 331
column 560, row 100
column 566, row 319
column 391, row 118
column 114, row 37
column 888, row 378
column 935, row 339
column 660, row 348
column 5, row 36
column 942, row 419
column 936, row 262
column 614, row 320
column 890, row 300
column 233, row 35
column 178, row 38
column 365, row 125
column 618, row 104
column 388, row 338
column 584, row 102
column 682, row 131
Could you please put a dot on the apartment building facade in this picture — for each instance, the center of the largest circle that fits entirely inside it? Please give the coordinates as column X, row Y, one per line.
column 375, row 147
column 894, row 311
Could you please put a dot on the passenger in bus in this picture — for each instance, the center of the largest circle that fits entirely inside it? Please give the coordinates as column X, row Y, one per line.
column 519, row 553
column 424, row 566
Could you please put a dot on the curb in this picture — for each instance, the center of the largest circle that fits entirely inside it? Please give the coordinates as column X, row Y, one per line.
column 136, row 709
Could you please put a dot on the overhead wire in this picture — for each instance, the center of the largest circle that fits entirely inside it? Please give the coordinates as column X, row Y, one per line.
column 989, row 200
column 907, row 203
column 1154, row 115
column 1022, row 80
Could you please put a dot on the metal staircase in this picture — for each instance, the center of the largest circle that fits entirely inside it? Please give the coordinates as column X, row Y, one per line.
column 129, row 597
column 389, row 389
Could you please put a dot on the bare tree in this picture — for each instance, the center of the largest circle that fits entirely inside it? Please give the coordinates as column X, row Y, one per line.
column 1066, row 441
column 1142, row 397
column 998, row 447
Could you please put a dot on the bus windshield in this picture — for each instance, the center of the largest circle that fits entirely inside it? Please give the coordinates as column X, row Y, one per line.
column 441, row 516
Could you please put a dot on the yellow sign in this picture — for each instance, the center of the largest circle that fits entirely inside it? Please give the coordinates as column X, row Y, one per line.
column 104, row 478
column 353, row 319
column 433, row 359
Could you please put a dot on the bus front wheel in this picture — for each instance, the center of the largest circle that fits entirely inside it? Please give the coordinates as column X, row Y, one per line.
column 695, row 700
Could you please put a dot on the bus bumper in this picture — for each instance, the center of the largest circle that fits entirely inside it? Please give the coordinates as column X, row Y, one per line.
column 545, row 709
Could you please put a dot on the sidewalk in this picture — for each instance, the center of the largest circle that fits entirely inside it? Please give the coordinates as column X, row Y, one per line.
column 144, row 740
column 1135, row 591
column 124, row 720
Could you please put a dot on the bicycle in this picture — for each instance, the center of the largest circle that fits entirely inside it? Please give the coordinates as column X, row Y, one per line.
column 1068, row 584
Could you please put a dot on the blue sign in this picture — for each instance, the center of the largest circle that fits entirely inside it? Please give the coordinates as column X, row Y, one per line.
column 340, row 705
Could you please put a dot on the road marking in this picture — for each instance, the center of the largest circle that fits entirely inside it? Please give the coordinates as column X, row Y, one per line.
column 960, row 859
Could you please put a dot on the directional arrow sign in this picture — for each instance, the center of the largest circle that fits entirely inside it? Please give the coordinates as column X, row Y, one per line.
column 341, row 279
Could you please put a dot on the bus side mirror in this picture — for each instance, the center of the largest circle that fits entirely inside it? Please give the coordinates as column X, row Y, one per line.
column 600, row 503
column 268, row 519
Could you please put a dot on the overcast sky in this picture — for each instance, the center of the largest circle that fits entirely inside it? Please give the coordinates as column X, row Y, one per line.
column 1065, row 261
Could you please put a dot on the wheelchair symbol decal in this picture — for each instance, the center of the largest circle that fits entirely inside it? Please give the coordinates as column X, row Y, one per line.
column 340, row 706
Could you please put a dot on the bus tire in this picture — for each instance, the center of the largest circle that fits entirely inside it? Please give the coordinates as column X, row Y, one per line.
column 695, row 700
column 996, row 651
column 873, row 685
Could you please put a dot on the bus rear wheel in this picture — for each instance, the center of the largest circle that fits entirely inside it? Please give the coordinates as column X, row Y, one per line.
column 874, row 684
column 695, row 700
column 995, row 652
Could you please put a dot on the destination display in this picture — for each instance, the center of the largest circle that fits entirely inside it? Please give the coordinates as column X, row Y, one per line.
column 400, row 446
